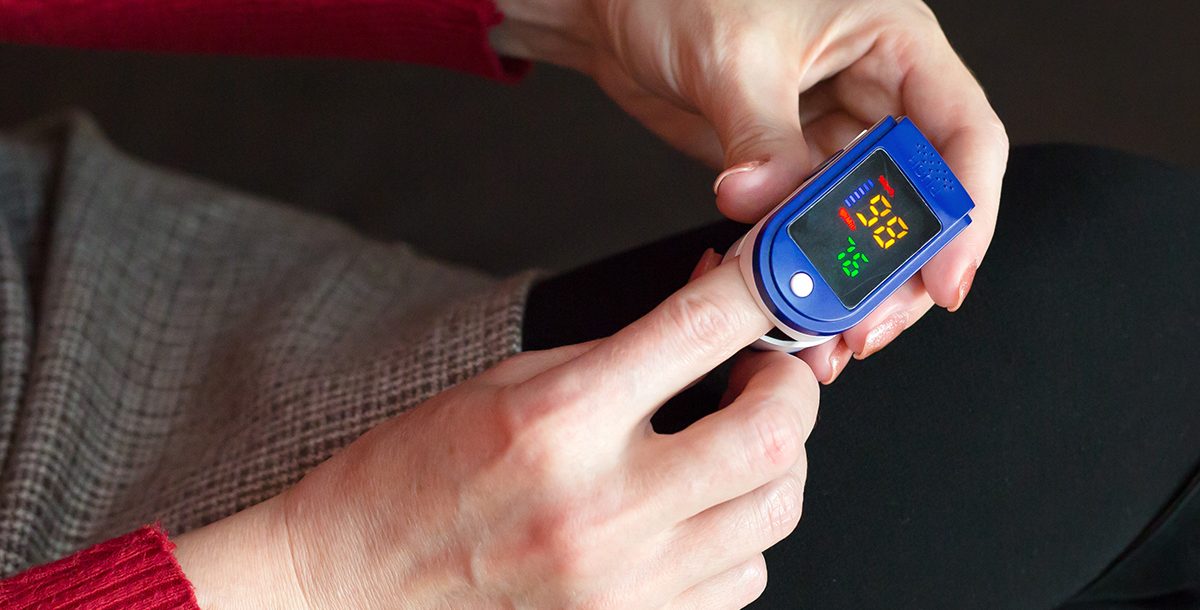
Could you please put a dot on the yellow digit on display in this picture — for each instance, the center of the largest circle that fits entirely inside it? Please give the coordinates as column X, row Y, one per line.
column 887, row 233
column 895, row 229
column 880, row 207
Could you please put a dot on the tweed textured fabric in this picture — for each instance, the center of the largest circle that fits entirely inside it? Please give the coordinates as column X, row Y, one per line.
column 173, row 351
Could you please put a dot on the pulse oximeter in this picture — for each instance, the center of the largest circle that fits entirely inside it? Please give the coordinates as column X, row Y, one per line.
column 858, row 228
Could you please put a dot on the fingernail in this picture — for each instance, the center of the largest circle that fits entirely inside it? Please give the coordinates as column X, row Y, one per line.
column 708, row 261
column 737, row 169
column 838, row 360
column 964, row 286
column 714, row 260
column 884, row 333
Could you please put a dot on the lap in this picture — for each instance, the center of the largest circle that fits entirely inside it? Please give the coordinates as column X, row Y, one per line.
column 1008, row 454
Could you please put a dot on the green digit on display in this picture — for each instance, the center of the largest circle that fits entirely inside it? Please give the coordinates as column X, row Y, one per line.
column 850, row 259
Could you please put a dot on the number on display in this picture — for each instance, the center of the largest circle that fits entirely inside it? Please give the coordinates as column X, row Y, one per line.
column 851, row 258
column 889, row 231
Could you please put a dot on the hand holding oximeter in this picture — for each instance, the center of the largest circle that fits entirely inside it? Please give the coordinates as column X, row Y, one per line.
column 854, row 232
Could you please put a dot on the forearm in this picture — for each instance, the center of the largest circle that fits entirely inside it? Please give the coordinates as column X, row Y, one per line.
column 242, row 561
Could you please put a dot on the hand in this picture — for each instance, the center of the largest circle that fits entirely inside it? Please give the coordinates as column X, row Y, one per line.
column 541, row 484
column 769, row 88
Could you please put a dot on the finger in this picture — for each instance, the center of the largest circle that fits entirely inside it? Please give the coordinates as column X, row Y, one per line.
column 708, row 261
column 523, row 366
column 724, row 535
column 756, row 439
column 626, row 377
column 828, row 359
column 759, row 110
column 895, row 315
column 745, row 366
column 754, row 108
column 736, row 587
column 944, row 99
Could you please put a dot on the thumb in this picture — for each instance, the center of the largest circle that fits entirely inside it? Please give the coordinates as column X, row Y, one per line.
column 758, row 123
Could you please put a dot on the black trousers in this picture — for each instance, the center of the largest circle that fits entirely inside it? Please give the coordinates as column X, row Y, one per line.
column 1037, row 449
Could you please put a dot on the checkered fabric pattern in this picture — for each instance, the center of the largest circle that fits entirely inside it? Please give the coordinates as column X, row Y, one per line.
column 173, row 351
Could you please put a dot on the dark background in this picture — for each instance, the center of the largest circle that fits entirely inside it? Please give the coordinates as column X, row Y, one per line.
column 550, row 173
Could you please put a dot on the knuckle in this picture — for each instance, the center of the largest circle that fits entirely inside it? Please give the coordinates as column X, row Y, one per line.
column 800, row 470
column 701, row 321
column 777, row 436
column 754, row 580
column 529, row 404
column 509, row 404
column 750, row 133
column 510, row 368
column 566, row 550
column 552, row 396
column 998, row 132
column 540, row 464
column 532, row 446
column 783, row 507
column 560, row 394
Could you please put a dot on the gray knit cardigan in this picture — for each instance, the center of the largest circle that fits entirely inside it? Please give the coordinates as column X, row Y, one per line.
column 174, row 351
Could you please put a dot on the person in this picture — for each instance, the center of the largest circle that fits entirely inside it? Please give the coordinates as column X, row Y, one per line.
column 325, row 422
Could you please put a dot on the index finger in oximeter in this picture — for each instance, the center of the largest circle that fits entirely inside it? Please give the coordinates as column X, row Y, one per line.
column 868, row 219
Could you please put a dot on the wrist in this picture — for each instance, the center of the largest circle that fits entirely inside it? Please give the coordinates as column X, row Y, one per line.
column 553, row 31
column 242, row 561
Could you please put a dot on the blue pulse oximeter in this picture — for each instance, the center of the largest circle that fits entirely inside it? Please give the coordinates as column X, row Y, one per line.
column 858, row 228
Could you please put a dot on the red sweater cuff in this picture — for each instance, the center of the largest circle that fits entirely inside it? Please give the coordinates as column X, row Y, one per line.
column 136, row 571
column 448, row 33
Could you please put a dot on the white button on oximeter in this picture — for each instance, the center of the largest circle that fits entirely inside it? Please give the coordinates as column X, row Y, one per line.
column 851, row 235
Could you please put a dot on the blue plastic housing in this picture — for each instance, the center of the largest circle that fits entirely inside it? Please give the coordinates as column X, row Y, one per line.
column 776, row 257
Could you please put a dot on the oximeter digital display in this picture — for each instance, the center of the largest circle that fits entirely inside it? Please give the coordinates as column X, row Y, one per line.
column 854, row 232
column 864, row 228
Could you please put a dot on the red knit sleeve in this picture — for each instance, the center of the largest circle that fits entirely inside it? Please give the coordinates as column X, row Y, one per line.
column 136, row 571
column 448, row 33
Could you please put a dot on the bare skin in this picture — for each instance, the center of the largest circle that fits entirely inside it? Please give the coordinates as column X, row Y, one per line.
column 540, row 484
column 766, row 89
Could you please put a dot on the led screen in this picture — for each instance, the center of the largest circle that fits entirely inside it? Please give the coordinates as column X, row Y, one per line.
column 864, row 228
